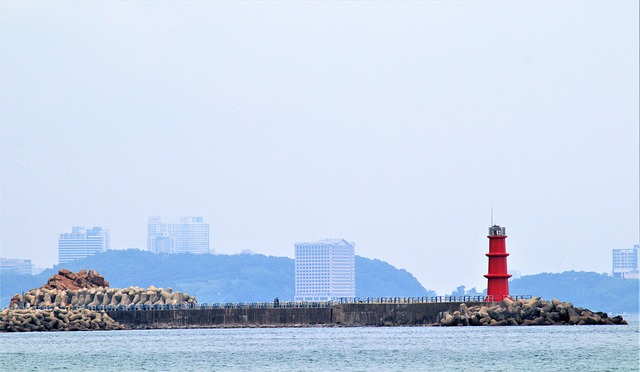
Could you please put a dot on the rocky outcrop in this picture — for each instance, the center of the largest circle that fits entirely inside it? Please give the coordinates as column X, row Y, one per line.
column 58, row 319
column 100, row 296
column 525, row 312
column 66, row 279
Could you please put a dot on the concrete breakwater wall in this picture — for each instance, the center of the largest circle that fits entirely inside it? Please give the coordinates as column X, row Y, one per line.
column 351, row 314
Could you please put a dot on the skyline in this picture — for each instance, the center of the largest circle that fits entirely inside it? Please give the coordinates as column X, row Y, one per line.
column 516, row 272
column 397, row 126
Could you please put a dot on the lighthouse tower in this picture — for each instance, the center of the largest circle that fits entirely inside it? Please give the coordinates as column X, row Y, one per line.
column 497, row 278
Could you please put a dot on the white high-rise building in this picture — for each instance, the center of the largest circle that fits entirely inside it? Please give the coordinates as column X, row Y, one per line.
column 325, row 270
column 81, row 243
column 189, row 235
column 626, row 263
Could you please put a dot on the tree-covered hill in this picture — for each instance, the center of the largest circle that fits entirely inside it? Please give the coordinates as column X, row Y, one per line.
column 598, row 292
column 594, row 291
column 375, row 278
column 217, row 278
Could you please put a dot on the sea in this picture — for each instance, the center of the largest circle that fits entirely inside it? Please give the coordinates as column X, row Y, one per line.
column 548, row 348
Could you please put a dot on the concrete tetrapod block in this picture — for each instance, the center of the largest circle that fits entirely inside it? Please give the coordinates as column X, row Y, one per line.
column 116, row 298
column 144, row 297
column 106, row 300
column 165, row 295
column 126, row 301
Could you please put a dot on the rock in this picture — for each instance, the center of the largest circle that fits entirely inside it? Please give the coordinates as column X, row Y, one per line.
column 527, row 312
column 464, row 309
column 538, row 320
column 554, row 317
column 451, row 321
column 571, row 311
column 575, row 319
column 66, row 279
column 474, row 321
column 616, row 319
column 75, row 316
column 464, row 320
column 496, row 314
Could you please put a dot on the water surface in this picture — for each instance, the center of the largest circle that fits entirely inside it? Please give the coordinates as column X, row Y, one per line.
column 578, row 348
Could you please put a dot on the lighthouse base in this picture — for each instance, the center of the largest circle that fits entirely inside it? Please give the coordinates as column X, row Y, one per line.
column 497, row 287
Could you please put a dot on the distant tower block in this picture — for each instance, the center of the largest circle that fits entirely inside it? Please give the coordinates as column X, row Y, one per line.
column 498, row 278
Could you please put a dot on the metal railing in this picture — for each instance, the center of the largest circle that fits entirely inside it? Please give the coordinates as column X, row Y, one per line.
column 291, row 304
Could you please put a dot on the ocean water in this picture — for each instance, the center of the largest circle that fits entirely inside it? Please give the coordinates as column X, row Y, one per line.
column 557, row 348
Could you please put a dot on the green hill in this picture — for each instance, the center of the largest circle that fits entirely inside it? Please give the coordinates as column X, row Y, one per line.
column 594, row 291
column 598, row 292
column 218, row 278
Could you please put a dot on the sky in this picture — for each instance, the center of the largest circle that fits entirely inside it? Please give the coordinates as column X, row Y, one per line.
column 395, row 125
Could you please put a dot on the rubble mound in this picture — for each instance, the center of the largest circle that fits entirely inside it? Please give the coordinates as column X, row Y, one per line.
column 58, row 319
column 525, row 313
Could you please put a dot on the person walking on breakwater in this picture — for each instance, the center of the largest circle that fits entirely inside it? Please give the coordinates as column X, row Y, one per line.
column 276, row 302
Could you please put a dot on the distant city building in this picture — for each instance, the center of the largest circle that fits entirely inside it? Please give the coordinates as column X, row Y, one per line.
column 81, row 243
column 189, row 235
column 325, row 270
column 625, row 263
column 16, row 266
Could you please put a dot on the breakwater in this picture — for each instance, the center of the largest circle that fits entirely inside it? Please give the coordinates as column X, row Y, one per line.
column 529, row 312
column 347, row 314
column 533, row 311
column 57, row 319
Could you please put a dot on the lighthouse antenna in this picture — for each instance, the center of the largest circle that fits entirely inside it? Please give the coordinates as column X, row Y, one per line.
column 491, row 216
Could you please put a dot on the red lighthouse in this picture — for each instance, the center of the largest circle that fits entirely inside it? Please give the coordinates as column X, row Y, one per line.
column 497, row 278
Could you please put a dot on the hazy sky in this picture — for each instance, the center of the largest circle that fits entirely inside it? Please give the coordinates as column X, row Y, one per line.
column 397, row 126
